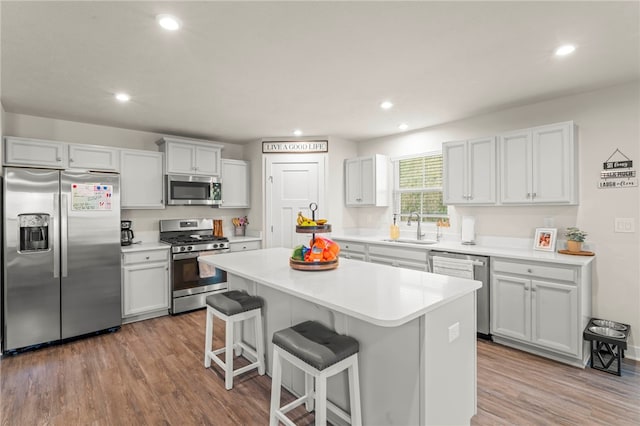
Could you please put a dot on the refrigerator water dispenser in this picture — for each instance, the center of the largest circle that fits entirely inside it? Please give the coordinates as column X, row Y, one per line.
column 34, row 232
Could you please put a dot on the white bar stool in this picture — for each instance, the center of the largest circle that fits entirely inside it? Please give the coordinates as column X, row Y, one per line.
column 321, row 353
column 232, row 307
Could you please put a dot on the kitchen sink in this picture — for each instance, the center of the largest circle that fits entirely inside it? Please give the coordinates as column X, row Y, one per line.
column 410, row 241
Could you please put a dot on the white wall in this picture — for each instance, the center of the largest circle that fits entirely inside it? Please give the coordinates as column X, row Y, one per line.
column 145, row 222
column 607, row 119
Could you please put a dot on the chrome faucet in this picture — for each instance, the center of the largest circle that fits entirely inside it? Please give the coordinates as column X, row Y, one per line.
column 419, row 233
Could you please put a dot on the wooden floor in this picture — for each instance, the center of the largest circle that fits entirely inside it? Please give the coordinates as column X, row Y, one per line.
column 151, row 372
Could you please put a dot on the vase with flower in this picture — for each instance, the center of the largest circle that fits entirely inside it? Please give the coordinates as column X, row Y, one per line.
column 239, row 225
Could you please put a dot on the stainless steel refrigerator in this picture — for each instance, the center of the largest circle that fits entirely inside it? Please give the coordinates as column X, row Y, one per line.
column 61, row 255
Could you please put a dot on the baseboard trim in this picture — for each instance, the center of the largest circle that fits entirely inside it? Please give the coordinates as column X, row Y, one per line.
column 632, row 352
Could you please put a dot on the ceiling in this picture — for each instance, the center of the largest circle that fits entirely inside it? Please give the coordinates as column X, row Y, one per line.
column 240, row 71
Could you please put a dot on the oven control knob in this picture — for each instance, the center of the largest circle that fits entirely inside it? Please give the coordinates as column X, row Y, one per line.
column 190, row 248
column 182, row 249
column 215, row 246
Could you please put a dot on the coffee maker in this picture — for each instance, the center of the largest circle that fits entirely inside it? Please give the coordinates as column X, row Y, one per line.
column 126, row 234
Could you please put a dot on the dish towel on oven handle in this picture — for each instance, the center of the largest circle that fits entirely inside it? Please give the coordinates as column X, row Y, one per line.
column 206, row 270
column 460, row 268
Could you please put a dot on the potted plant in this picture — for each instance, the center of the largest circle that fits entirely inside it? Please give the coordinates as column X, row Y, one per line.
column 575, row 238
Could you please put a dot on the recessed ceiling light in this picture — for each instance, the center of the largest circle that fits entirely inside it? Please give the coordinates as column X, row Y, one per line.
column 168, row 22
column 386, row 105
column 565, row 50
column 123, row 97
column 297, row 132
column 403, row 126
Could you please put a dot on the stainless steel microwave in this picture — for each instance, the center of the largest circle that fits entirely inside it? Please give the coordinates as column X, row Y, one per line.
column 193, row 190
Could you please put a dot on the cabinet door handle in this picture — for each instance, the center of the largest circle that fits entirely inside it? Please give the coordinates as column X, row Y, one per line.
column 533, row 289
column 147, row 258
column 58, row 159
column 70, row 160
column 528, row 195
column 529, row 270
column 533, row 195
column 470, row 197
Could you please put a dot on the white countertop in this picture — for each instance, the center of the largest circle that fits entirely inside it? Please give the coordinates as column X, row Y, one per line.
column 378, row 294
column 482, row 250
column 144, row 246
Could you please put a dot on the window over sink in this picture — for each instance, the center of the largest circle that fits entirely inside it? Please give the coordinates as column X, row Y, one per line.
column 418, row 187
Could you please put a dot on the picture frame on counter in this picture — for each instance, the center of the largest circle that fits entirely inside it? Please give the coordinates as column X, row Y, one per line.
column 545, row 239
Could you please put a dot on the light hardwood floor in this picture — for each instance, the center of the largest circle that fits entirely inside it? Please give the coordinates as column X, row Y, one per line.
column 151, row 372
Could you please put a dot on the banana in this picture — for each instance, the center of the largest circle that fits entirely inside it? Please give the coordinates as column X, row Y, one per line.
column 301, row 219
column 321, row 221
column 308, row 222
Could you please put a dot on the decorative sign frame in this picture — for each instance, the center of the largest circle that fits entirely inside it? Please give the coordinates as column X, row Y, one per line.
column 619, row 173
column 295, row 147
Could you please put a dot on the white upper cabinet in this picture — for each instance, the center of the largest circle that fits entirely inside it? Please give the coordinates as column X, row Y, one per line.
column 366, row 181
column 191, row 158
column 235, row 184
column 93, row 157
column 469, row 171
column 539, row 165
column 35, row 152
column 141, row 179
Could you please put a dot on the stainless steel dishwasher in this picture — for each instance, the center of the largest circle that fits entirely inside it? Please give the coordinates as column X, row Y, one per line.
column 481, row 273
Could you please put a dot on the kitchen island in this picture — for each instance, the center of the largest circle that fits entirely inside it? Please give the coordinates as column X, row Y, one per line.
column 416, row 331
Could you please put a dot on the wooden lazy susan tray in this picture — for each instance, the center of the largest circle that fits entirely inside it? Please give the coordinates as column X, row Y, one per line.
column 577, row 253
column 301, row 265
column 313, row 229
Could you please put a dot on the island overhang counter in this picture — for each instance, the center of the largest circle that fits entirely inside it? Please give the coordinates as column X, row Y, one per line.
column 416, row 331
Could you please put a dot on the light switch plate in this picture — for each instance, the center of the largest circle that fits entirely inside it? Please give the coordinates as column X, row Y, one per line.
column 625, row 224
column 454, row 332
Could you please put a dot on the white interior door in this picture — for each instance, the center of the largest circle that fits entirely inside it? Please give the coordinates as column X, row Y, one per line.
column 292, row 183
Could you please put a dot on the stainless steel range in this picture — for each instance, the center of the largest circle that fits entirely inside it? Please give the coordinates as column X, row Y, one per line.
column 191, row 283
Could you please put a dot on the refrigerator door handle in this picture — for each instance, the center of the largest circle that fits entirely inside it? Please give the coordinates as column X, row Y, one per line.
column 53, row 239
column 64, row 237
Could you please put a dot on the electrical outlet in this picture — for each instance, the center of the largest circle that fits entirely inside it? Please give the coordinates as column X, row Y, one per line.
column 454, row 332
column 625, row 224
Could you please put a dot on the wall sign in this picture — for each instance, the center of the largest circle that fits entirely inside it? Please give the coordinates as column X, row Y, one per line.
column 294, row 147
column 617, row 173
column 91, row 196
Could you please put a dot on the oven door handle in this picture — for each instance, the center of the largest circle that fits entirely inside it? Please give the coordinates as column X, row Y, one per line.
column 182, row 256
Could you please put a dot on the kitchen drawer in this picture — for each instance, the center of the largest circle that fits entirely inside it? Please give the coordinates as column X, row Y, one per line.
column 536, row 270
column 418, row 266
column 243, row 246
column 145, row 256
column 351, row 247
column 400, row 253
column 351, row 255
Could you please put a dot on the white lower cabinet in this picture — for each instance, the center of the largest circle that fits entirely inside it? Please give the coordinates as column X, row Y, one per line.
column 350, row 250
column 400, row 257
column 145, row 284
column 235, row 246
column 541, row 307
